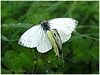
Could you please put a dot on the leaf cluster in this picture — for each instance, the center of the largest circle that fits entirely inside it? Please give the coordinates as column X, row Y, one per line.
column 80, row 53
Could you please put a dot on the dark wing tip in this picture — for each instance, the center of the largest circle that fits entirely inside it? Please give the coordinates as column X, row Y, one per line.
column 20, row 42
column 75, row 21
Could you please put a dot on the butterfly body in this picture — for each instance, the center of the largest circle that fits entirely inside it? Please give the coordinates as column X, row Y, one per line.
column 55, row 41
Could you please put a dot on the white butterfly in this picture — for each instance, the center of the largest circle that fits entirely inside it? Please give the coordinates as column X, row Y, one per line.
column 37, row 36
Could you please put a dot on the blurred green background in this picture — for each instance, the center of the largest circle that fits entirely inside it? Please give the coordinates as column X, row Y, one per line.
column 81, row 52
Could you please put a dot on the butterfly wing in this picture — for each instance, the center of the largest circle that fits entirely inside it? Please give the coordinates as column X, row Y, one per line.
column 64, row 37
column 44, row 44
column 31, row 37
column 35, row 37
column 64, row 26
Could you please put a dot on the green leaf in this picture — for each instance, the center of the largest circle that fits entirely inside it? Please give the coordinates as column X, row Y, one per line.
column 95, row 72
column 4, row 38
column 4, row 71
column 44, row 70
column 17, row 63
column 8, row 61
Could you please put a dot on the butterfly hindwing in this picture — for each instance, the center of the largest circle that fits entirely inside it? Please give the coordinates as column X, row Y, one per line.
column 44, row 44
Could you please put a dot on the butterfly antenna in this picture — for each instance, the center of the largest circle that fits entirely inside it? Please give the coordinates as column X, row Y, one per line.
column 62, row 60
column 69, row 59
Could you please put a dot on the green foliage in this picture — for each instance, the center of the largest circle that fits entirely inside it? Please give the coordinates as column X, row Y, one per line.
column 80, row 53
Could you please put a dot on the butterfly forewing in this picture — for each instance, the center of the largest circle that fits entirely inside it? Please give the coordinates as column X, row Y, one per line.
column 36, row 37
column 31, row 37
column 64, row 26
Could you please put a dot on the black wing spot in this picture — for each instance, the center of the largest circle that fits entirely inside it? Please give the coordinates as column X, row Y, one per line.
column 20, row 42
column 54, row 34
column 76, row 22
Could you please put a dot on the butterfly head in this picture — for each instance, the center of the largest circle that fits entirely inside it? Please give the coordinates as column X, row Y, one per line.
column 45, row 25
